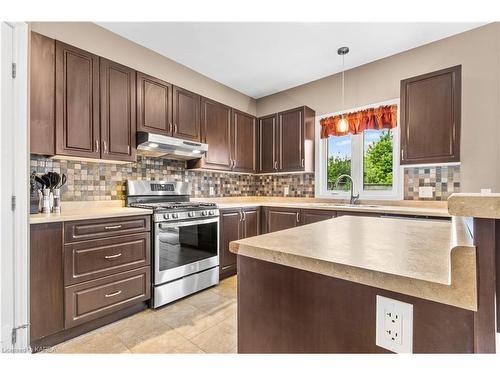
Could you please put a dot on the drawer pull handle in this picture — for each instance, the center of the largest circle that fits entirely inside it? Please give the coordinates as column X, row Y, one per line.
column 113, row 256
column 113, row 227
column 113, row 294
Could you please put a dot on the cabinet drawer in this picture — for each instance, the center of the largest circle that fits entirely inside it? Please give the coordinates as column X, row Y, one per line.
column 97, row 298
column 91, row 229
column 88, row 260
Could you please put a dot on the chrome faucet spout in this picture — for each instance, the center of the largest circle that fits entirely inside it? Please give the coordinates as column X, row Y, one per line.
column 353, row 199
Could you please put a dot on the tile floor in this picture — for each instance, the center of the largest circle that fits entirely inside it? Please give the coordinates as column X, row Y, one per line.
column 202, row 323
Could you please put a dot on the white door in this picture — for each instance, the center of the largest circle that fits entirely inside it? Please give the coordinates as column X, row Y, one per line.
column 14, row 172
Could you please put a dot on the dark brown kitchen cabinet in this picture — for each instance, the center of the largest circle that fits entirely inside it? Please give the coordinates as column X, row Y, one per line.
column 186, row 115
column 235, row 224
column 430, row 117
column 77, row 102
column 154, row 105
column 268, row 144
column 278, row 218
column 216, row 132
column 244, row 128
column 42, row 94
column 286, row 141
column 313, row 216
column 118, row 119
column 46, row 280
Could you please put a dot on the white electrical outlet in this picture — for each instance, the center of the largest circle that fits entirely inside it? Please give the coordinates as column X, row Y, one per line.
column 425, row 192
column 286, row 190
column 485, row 191
column 211, row 190
column 394, row 330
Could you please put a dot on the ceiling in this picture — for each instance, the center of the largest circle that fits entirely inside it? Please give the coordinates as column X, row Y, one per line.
column 260, row 59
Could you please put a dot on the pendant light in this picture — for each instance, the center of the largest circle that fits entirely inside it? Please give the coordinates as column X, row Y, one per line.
column 343, row 126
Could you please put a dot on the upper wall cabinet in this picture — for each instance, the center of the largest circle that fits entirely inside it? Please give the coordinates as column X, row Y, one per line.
column 42, row 88
column 244, row 127
column 286, row 141
column 430, row 117
column 216, row 132
column 77, row 102
column 118, row 120
column 154, row 105
column 186, row 115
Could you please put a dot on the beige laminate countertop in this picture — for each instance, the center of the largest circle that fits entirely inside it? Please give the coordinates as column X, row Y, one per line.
column 434, row 260
column 486, row 206
column 92, row 212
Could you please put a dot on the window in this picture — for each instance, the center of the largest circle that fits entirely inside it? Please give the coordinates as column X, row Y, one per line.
column 370, row 158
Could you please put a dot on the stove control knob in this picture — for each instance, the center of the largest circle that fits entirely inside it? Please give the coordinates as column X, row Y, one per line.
column 191, row 213
column 175, row 215
column 211, row 212
column 166, row 216
column 204, row 213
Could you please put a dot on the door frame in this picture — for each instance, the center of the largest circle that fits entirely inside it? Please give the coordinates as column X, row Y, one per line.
column 14, row 225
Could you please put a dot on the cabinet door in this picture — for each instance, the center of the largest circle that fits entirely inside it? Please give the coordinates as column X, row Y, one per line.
column 281, row 218
column 230, row 230
column 244, row 139
column 430, row 117
column 46, row 280
column 186, row 109
column 268, row 144
column 154, row 105
column 313, row 216
column 42, row 94
column 77, row 102
column 251, row 222
column 216, row 131
column 291, row 140
column 118, row 120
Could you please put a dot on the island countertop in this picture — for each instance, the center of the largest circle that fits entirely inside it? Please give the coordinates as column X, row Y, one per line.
column 429, row 259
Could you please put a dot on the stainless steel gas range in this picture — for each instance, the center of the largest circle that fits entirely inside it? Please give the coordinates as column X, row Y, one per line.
column 185, row 238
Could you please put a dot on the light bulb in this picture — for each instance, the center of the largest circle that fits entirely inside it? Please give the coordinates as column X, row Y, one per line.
column 343, row 125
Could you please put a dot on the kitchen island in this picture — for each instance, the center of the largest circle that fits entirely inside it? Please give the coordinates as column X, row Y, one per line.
column 313, row 288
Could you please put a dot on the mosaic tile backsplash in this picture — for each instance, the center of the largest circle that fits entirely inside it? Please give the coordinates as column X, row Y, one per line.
column 444, row 180
column 105, row 181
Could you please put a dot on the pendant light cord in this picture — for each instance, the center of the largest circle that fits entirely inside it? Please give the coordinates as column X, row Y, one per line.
column 343, row 89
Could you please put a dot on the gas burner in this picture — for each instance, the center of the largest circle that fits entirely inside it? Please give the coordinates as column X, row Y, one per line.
column 157, row 206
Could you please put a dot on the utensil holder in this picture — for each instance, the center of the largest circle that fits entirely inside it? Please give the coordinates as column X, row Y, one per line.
column 56, row 193
column 46, row 201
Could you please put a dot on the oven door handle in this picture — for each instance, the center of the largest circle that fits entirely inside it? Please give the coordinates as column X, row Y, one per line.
column 187, row 223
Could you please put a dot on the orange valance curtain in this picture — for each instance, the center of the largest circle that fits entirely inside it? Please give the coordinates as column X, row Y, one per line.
column 384, row 117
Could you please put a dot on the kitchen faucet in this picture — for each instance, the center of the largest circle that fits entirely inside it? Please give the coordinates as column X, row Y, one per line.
column 353, row 198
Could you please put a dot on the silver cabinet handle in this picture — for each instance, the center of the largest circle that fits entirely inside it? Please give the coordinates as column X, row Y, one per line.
column 96, row 145
column 175, row 128
column 113, row 227
column 113, row 294
column 276, row 164
column 244, row 215
column 104, row 147
column 170, row 127
column 241, row 216
column 113, row 256
column 298, row 217
column 302, row 162
column 402, row 154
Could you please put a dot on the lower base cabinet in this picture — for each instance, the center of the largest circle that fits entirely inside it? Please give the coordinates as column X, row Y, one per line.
column 235, row 224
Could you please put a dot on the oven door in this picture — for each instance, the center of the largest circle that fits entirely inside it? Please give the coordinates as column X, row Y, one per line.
column 184, row 248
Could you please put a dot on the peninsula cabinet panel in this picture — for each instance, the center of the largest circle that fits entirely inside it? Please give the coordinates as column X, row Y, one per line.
column 430, row 117
column 46, row 280
column 216, row 132
column 154, row 105
column 281, row 218
column 42, row 94
column 118, row 119
column 77, row 102
column 244, row 142
column 268, row 144
column 186, row 115
column 230, row 230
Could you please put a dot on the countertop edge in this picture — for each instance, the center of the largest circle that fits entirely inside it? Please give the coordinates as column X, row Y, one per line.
column 106, row 213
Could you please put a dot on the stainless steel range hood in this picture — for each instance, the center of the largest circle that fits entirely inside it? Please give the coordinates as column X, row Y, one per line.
column 150, row 144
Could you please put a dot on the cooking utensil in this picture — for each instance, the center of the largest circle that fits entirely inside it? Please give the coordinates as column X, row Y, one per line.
column 63, row 181
column 40, row 182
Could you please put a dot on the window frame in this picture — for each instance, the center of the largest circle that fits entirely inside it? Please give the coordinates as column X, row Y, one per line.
column 357, row 162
